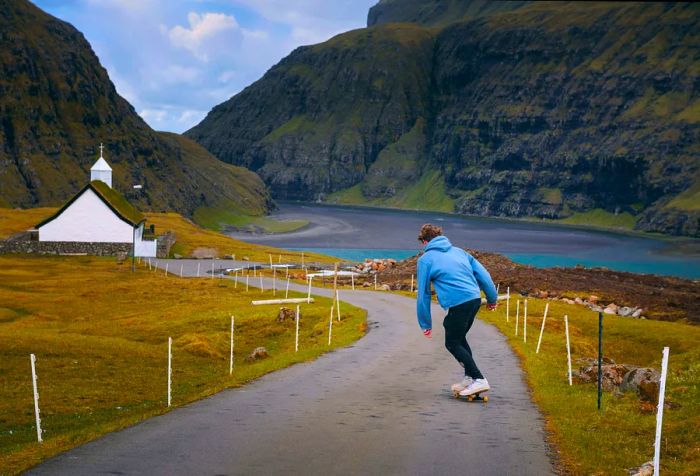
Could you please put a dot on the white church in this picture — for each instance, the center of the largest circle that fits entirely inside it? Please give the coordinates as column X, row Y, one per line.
column 98, row 214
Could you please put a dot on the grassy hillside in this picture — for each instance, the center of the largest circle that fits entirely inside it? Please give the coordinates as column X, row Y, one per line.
column 101, row 361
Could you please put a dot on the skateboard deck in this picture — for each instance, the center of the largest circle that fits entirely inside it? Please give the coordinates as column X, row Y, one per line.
column 477, row 397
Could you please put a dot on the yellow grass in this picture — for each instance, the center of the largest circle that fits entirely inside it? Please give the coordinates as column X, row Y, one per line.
column 100, row 336
column 14, row 220
column 622, row 435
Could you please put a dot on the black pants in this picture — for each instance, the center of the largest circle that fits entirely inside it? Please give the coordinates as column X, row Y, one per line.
column 457, row 323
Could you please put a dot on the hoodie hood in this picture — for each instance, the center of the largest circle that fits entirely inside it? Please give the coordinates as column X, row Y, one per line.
column 439, row 243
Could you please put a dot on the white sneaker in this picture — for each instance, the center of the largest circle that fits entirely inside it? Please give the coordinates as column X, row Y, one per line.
column 458, row 387
column 477, row 386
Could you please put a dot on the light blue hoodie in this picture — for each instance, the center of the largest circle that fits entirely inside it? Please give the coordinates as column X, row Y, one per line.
column 457, row 276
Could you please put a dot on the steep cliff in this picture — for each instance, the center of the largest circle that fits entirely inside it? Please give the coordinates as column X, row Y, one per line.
column 491, row 108
column 57, row 104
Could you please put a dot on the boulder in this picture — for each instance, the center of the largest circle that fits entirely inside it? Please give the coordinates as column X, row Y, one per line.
column 625, row 311
column 578, row 300
column 647, row 469
column 595, row 308
column 568, row 301
column 177, row 256
column 366, row 284
column 609, row 310
column 613, row 307
column 637, row 313
column 644, row 381
column 613, row 374
column 385, row 287
column 258, row 354
column 593, row 299
column 286, row 314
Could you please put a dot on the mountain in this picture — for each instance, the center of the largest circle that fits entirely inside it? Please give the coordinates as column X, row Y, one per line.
column 581, row 111
column 57, row 104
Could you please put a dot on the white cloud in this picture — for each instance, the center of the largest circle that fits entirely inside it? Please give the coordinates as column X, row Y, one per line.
column 202, row 28
column 227, row 76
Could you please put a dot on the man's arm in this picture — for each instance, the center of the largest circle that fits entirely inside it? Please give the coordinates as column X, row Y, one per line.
column 423, row 300
column 484, row 279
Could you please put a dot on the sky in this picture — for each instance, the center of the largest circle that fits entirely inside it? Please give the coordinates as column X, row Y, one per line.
column 174, row 60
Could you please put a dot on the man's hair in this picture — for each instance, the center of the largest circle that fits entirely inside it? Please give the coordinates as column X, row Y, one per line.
column 428, row 232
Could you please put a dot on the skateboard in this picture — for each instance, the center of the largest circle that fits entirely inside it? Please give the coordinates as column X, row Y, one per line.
column 473, row 398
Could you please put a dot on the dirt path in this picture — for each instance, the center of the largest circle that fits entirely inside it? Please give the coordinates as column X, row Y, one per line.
column 381, row 406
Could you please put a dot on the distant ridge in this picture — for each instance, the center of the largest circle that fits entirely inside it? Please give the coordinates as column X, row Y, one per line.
column 57, row 104
column 576, row 110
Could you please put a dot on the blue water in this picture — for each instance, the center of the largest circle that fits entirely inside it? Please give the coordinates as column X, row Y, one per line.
column 355, row 233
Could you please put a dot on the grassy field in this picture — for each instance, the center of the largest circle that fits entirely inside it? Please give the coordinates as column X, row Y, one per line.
column 14, row 220
column 621, row 435
column 100, row 336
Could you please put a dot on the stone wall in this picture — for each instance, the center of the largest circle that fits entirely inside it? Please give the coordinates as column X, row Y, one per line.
column 21, row 244
column 64, row 248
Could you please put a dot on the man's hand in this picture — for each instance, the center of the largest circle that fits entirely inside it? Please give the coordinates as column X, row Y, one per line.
column 428, row 333
column 492, row 307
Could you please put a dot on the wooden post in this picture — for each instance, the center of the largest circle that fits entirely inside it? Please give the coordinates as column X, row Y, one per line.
column 508, row 305
column 330, row 326
column 296, row 344
column 660, row 410
column 170, row 368
column 544, row 319
column 568, row 346
column 337, row 303
column 32, row 359
column 230, row 365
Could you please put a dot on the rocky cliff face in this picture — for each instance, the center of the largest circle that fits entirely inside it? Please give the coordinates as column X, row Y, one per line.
column 544, row 110
column 57, row 104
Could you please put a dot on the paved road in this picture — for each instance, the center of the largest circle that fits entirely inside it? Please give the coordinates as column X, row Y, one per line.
column 380, row 406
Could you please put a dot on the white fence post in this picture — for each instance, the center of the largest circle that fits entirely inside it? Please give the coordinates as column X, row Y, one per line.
column 212, row 269
column 544, row 319
column 375, row 282
column 508, row 305
column 230, row 365
column 247, row 277
column 274, row 281
column 166, row 268
column 170, row 368
column 308, row 296
column 660, row 411
column 181, row 265
column 296, row 340
column 337, row 303
column 262, row 287
column 517, row 316
column 330, row 326
column 286, row 291
column 352, row 280
column 525, row 322
column 32, row 359
column 198, row 265
column 411, row 283
column 568, row 346
column 235, row 282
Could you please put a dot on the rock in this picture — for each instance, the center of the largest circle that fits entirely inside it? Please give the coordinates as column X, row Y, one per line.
column 625, row 311
column 613, row 307
column 637, row 313
column 285, row 314
column 647, row 469
column 228, row 256
column 608, row 310
column 613, row 374
column 595, row 308
column 644, row 381
column 246, row 258
column 578, row 300
column 204, row 253
column 569, row 301
column 385, row 287
column 121, row 256
column 258, row 354
column 366, row 284
column 177, row 256
column 593, row 299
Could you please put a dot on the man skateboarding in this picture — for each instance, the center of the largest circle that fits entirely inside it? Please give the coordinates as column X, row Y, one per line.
column 458, row 278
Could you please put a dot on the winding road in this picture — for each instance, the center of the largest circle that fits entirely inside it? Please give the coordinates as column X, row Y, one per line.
column 380, row 406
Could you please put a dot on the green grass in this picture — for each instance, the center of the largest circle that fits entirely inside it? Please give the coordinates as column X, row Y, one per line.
column 100, row 336
column 601, row 218
column 622, row 435
column 216, row 219
column 428, row 193
column 688, row 200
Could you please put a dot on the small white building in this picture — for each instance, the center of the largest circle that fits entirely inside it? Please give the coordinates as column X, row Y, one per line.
column 98, row 214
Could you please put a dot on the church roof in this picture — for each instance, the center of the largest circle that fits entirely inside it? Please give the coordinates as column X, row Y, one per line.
column 113, row 199
column 101, row 164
